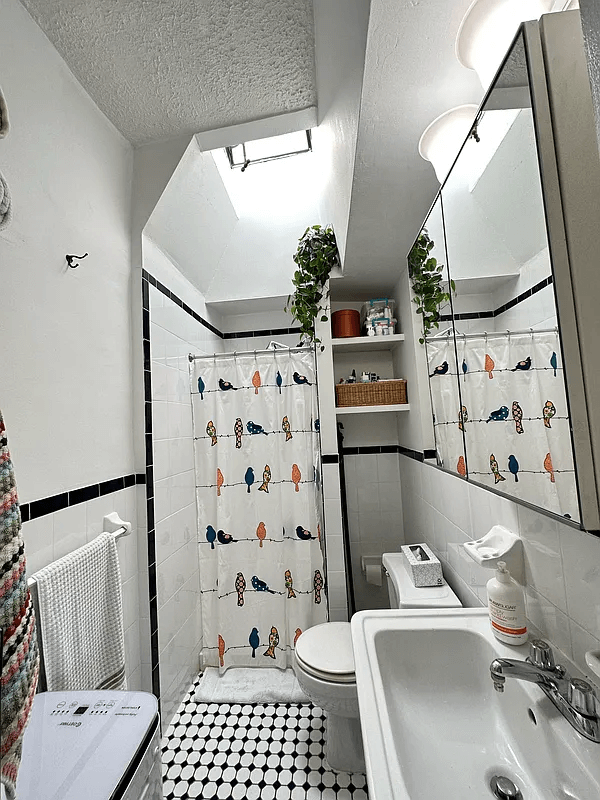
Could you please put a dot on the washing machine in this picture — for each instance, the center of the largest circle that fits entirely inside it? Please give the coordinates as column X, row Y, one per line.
column 91, row 745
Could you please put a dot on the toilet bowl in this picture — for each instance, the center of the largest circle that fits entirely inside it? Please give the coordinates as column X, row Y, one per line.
column 324, row 665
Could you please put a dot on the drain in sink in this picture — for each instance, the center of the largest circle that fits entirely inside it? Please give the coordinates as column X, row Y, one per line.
column 504, row 788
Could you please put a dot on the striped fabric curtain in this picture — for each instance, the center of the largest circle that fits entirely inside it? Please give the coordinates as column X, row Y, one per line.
column 20, row 659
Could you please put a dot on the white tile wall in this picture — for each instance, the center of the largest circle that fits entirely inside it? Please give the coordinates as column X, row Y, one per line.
column 375, row 519
column 336, row 563
column 562, row 564
column 54, row 535
column 173, row 335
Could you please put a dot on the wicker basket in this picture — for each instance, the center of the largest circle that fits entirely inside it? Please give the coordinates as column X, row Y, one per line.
column 381, row 393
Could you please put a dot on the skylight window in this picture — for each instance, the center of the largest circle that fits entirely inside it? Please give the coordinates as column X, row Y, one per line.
column 261, row 150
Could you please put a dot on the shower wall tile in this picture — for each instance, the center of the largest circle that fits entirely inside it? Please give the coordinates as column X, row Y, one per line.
column 174, row 334
column 334, row 542
column 54, row 535
column 375, row 517
column 562, row 564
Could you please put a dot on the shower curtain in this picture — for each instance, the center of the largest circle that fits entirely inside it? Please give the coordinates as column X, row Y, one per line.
column 258, row 490
column 513, row 410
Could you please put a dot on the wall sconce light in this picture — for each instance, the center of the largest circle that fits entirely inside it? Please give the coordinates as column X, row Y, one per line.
column 442, row 139
column 489, row 26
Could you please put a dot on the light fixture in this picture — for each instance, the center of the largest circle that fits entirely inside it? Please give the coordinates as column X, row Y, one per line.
column 488, row 28
column 274, row 147
column 442, row 139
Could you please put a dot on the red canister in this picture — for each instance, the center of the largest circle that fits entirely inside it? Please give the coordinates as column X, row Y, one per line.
column 345, row 323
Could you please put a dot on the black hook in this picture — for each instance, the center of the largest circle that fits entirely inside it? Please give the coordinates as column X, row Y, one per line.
column 71, row 259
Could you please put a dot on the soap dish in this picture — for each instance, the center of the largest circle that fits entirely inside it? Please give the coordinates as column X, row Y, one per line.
column 497, row 545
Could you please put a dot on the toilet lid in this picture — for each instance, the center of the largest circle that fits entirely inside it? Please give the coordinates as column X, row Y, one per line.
column 326, row 651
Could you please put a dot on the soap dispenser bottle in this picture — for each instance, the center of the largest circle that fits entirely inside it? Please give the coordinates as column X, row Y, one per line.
column 506, row 604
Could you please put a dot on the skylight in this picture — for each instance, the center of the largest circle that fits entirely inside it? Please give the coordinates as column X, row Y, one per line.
column 274, row 147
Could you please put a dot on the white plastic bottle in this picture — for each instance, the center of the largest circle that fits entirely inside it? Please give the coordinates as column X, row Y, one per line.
column 506, row 604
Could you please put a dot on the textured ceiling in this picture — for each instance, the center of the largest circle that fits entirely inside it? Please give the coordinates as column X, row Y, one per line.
column 161, row 68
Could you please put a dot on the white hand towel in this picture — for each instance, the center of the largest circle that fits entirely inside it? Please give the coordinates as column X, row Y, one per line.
column 82, row 620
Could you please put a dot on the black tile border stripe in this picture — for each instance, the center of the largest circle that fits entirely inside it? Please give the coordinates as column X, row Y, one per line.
column 270, row 332
column 330, row 458
column 501, row 309
column 378, row 449
column 149, row 279
column 149, row 458
column 73, row 497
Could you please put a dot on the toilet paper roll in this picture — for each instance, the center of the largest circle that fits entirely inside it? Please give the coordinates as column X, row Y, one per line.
column 373, row 574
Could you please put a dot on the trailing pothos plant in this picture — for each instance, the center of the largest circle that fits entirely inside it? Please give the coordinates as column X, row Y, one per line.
column 316, row 256
column 426, row 277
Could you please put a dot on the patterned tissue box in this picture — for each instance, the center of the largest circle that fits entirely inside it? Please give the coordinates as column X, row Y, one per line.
column 423, row 567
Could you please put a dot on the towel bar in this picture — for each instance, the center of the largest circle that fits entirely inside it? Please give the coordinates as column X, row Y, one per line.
column 112, row 523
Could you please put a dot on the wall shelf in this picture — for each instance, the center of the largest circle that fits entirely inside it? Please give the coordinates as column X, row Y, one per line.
column 372, row 409
column 366, row 344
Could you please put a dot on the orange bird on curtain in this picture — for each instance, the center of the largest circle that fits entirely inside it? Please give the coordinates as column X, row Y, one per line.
column 549, row 468
column 221, row 641
column 256, row 381
column 296, row 476
column 261, row 532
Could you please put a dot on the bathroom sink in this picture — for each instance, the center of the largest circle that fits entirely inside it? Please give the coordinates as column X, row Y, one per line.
column 434, row 727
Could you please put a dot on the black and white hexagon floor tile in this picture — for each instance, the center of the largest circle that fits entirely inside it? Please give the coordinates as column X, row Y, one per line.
column 251, row 752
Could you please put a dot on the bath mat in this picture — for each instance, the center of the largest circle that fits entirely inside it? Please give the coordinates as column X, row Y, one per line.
column 244, row 685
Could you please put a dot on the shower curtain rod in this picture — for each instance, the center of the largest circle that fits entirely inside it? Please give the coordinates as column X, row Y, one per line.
column 235, row 354
column 489, row 334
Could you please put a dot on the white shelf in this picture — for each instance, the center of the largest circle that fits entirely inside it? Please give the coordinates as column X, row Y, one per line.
column 372, row 409
column 358, row 344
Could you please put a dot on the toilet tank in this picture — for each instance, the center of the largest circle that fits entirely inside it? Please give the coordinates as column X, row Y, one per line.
column 404, row 594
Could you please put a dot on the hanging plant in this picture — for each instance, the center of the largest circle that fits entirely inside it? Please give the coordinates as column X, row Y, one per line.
column 316, row 256
column 426, row 277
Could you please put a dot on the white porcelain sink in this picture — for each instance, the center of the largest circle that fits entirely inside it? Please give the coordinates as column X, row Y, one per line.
column 433, row 726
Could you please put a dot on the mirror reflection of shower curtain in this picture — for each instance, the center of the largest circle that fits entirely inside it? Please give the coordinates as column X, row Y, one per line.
column 514, row 412
column 258, row 493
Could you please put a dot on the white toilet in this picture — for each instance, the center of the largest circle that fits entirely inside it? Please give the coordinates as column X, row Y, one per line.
column 324, row 664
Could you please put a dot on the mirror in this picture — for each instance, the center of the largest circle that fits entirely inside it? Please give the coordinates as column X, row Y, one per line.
column 502, row 401
column 441, row 355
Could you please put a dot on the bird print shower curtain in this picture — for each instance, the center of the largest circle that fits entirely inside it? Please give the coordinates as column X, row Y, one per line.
column 513, row 412
column 256, row 437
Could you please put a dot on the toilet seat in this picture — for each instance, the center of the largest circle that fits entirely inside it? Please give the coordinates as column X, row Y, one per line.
column 325, row 652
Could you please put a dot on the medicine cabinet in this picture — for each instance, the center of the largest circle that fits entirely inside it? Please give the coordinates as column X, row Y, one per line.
column 514, row 367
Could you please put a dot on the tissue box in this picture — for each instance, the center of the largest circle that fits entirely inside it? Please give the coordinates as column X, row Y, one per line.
column 423, row 567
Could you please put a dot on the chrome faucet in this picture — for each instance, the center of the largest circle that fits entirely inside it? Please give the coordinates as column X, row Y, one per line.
column 575, row 698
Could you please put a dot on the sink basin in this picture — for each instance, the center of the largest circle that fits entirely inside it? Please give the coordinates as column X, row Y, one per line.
column 434, row 727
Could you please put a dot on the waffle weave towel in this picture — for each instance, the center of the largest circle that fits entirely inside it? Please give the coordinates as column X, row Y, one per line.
column 81, row 618
column 20, row 660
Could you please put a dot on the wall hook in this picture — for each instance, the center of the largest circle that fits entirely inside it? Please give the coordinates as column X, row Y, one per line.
column 71, row 259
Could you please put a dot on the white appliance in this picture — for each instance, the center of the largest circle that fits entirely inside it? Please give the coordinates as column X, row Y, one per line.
column 91, row 745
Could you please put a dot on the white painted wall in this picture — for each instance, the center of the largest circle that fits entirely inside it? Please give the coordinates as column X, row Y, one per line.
column 66, row 333
column 275, row 202
column 194, row 218
column 340, row 42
